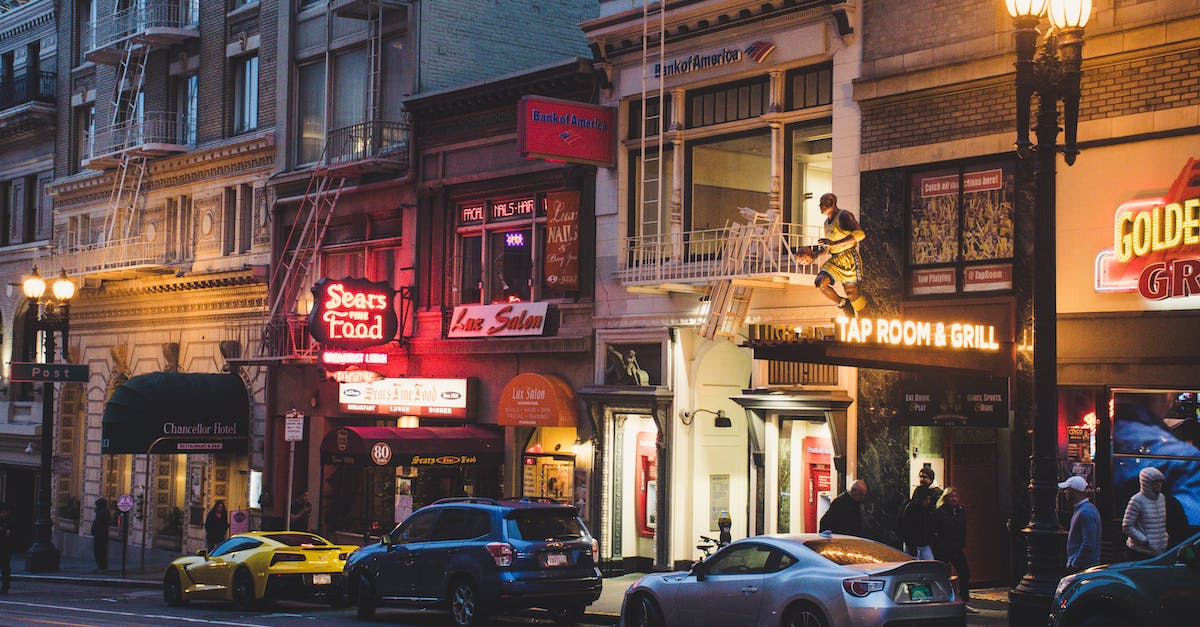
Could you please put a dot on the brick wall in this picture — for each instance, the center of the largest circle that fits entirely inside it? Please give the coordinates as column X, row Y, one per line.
column 500, row 37
column 894, row 28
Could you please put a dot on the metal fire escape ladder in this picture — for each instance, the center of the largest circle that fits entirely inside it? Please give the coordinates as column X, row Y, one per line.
column 300, row 250
column 126, row 191
column 375, row 60
column 653, row 225
column 754, row 242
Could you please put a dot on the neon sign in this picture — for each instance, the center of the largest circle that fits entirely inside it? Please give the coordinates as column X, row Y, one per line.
column 1156, row 243
column 918, row 334
column 505, row 320
column 352, row 313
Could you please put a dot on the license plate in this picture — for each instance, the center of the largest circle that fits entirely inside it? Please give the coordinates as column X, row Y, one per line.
column 322, row 579
column 556, row 559
column 919, row 592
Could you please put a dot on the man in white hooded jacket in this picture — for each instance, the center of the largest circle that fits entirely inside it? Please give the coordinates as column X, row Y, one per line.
column 1145, row 520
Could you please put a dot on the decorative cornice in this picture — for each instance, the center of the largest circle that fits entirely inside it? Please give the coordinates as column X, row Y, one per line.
column 28, row 24
column 138, row 287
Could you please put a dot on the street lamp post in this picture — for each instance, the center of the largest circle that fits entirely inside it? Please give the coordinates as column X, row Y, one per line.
column 53, row 314
column 1052, row 73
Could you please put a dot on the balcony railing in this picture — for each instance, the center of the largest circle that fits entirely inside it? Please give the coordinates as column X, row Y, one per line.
column 274, row 338
column 169, row 19
column 112, row 259
column 694, row 258
column 25, row 88
column 382, row 143
column 151, row 134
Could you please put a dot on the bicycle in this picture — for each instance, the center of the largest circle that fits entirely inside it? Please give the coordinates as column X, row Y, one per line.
column 709, row 546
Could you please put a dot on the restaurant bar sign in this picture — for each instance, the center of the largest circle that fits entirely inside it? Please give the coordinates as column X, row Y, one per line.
column 1156, row 243
column 565, row 130
column 352, row 314
column 955, row 400
column 503, row 320
column 428, row 398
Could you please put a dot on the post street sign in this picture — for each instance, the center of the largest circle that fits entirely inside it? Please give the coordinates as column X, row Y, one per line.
column 293, row 430
column 53, row 373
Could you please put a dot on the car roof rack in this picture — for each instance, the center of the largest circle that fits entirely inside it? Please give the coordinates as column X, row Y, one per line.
column 533, row 499
column 466, row 499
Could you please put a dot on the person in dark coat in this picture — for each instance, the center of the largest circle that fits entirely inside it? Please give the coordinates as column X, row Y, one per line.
column 266, row 504
column 845, row 512
column 916, row 523
column 100, row 525
column 6, row 547
column 1178, row 528
column 949, row 539
column 216, row 525
column 301, row 509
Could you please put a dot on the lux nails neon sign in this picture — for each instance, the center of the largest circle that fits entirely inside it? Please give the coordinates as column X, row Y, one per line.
column 352, row 313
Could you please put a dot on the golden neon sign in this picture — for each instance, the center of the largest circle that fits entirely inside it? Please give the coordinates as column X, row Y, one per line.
column 918, row 334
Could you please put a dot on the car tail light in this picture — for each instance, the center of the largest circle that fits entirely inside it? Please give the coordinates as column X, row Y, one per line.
column 862, row 587
column 595, row 551
column 286, row 557
column 501, row 552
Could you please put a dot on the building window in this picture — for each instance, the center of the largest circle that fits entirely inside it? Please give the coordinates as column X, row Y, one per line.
column 650, row 185
column 186, row 97
column 810, row 87
column 500, row 251
column 653, row 124
column 311, row 112
column 239, row 204
column 960, row 235
column 181, row 228
column 725, row 174
column 8, row 200
column 85, row 125
column 808, row 172
column 245, row 94
column 85, row 20
column 727, row 103
column 350, row 77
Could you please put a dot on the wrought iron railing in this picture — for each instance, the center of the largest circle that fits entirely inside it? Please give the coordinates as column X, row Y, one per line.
column 283, row 337
column 368, row 140
column 112, row 255
column 151, row 128
column 140, row 16
column 695, row 257
column 29, row 87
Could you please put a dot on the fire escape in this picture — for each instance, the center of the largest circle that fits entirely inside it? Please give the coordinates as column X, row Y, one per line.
column 375, row 147
column 125, row 40
column 723, row 266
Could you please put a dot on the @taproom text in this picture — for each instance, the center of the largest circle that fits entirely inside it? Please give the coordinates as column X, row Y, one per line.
column 895, row 332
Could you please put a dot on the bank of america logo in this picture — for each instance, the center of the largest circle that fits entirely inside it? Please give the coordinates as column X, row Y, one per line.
column 760, row 50
column 568, row 137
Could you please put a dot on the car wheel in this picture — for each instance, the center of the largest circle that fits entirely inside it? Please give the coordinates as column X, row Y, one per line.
column 568, row 615
column 804, row 616
column 643, row 612
column 173, row 589
column 338, row 598
column 243, row 590
column 466, row 609
column 366, row 597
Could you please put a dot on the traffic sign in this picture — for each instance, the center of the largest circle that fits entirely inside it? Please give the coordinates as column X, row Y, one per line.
column 125, row 502
column 293, row 426
column 54, row 373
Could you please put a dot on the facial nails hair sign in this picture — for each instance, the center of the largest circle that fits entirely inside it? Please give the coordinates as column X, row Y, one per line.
column 352, row 313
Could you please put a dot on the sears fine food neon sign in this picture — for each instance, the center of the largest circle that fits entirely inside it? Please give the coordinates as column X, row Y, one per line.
column 352, row 313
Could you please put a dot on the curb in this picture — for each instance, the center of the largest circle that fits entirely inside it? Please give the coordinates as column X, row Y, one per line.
column 112, row 582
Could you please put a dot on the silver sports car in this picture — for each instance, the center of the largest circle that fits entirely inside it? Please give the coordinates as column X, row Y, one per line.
column 803, row 580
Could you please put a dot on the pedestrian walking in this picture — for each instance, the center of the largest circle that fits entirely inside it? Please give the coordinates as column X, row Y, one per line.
column 949, row 540
column 268, row 521
column 100, row 525
column 1083, row 537
column 927, row 477
column 1178, row 528
column 216, row 525
column 6, row 547
column 916, row 523
column 845, row 512
column 1145, row 520
column 301, row 508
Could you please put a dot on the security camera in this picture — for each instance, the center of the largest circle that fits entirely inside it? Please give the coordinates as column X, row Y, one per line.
column 29, row 448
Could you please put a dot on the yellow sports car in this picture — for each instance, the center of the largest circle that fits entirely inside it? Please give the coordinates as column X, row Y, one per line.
column 258, row 568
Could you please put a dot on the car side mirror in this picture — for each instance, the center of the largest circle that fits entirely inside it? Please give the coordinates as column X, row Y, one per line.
column 385, row 539
column 202, row 553
column 699, row 572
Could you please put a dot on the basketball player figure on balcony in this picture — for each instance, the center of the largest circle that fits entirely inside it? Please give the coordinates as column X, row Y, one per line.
column 844, row 265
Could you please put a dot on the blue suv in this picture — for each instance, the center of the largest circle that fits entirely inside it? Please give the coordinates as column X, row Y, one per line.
column 477, row 556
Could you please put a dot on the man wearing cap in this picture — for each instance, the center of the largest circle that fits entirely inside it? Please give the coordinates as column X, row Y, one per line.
column 1083, row 539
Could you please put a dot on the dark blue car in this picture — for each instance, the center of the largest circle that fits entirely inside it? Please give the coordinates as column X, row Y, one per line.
column 476, row 556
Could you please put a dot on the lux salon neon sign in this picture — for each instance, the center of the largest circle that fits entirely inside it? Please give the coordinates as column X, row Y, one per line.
column 1156, row 243
column 352, row 313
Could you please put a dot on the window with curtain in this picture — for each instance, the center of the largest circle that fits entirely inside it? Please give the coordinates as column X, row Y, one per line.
column 350, row 77
column 311, row 112
column 245, row 94
column 186, row 98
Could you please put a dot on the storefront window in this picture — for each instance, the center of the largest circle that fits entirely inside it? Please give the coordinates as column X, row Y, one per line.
column 961, row 230
column 512, row 265
column 1159, row 429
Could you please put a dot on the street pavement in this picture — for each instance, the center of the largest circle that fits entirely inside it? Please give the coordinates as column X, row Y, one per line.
column 85, row 596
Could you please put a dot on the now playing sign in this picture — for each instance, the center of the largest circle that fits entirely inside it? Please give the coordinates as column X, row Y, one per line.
column 53, row 373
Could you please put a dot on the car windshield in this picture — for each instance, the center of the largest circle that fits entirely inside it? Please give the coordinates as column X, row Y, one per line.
column 844, row 551
column 298, row 539
column 556, row 524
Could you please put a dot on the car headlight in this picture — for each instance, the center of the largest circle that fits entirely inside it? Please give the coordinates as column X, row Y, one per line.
column 1063, row 584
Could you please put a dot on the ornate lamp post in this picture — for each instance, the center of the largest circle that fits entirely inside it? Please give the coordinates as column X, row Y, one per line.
column 1053, row 73
column 53, row 314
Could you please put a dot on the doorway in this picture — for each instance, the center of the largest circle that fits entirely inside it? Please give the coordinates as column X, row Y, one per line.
column 799, row 473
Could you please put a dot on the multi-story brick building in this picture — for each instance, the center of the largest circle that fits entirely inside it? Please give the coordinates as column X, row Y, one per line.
column 164, row 138
column 27, row 120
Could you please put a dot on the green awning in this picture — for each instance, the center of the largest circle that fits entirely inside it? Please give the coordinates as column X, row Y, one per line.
column 175, row 412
